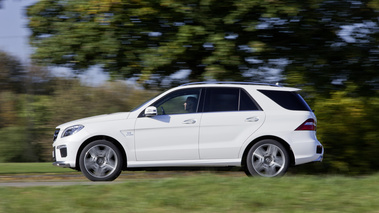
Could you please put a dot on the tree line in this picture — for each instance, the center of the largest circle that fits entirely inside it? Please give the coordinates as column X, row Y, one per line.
column 33, row 103
column 324, row 41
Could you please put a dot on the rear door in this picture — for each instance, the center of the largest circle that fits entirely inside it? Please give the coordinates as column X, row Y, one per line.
column 230, row 116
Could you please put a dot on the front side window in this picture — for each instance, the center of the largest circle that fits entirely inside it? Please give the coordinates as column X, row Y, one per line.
column 179, row 102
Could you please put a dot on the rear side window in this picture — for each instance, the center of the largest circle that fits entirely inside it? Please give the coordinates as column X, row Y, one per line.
column 221, row 99
column 228, row 99
column 287, row 100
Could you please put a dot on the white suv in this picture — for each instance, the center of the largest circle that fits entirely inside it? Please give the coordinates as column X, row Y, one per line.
column 262, row 128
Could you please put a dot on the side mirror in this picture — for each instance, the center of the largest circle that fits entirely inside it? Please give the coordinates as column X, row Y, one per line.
column 151, row 111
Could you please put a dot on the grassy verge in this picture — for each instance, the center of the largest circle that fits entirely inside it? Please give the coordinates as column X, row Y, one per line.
column 27, row 168
column 202, row 193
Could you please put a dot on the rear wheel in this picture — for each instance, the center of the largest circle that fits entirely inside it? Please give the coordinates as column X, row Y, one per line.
column 267, row 158
column 101, row 161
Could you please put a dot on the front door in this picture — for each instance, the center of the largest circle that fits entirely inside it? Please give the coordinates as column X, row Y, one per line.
column 173, row 134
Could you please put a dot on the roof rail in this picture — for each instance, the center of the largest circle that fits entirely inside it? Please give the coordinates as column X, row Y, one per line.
column 231, row 82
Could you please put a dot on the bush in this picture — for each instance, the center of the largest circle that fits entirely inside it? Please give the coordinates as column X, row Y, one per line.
column 15, row 146
column 347, row 127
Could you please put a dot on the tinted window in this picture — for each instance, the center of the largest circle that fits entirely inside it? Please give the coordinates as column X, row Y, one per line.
column 221, row 99
column 246, row 103
column 288, row 100
column 178, row 102
column 228, row 99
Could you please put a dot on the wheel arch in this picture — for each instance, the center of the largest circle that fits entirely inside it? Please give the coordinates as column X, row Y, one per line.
column 102, row 137
column 280, row 140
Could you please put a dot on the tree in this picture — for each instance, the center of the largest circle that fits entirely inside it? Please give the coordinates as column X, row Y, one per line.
column 8, row 115
column 327, row 42
column 150, row 39
column 12, row 73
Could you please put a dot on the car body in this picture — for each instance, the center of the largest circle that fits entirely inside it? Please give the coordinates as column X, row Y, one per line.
column 262, row 128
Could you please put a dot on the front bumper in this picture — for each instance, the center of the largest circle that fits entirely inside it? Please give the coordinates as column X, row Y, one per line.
column 62, row 157
column 61, row 164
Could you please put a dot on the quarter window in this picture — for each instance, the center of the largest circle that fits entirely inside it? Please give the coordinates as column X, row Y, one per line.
column 287, row 100
column 246, row 102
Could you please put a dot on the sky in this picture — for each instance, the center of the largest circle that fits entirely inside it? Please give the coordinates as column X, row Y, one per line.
column 13, row 29
column 14, row 40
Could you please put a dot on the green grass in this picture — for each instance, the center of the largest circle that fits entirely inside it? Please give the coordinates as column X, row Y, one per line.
column 27, row 168
column 205, row 192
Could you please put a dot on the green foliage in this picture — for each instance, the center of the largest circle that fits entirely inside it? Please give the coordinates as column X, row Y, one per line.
column 223, row 40
column 348, row 130
column 12, row 73
column 13, row 145
column 7, row 108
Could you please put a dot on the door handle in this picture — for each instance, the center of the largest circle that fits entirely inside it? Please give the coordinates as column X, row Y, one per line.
column 252, row 119
column 189, row 121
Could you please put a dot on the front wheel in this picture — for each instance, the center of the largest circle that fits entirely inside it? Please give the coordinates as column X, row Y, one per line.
column 100, row 161
column 267, row 158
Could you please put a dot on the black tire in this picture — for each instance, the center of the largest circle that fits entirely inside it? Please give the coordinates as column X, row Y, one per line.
column 101, row 161
column 267, row 158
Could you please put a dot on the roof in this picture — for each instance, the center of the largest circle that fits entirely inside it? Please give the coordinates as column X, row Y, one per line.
column 231, row 82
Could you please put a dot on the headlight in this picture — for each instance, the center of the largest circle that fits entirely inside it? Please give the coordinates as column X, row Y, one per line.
column 72, row 130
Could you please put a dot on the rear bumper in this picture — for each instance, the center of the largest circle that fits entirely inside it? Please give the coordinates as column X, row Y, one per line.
column 319, row 159
column 305, row 147
column 319, row 150
column 308, row 151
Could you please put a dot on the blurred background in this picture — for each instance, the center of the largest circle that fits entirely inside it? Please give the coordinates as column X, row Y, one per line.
column 90, row 57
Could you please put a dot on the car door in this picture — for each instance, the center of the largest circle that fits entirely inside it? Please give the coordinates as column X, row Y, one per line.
column 173, row 134
column 230, row 117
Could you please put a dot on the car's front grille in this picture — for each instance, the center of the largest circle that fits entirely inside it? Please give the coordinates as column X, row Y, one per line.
column 56, row 134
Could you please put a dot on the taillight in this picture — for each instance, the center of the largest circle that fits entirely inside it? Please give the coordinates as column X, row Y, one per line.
column 309, row 124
